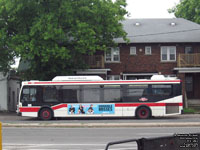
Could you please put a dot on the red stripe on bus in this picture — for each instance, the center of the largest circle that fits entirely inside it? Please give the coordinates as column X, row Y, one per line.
column 147, row 104
column 165, row 81
column 29, row 109
column 36, row 109
column 59, row 106
column 174, row 104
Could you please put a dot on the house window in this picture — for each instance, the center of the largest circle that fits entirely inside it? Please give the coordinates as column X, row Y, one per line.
column 133, row 51
column 113, row 55
column 148, row 50
column 188, row 50
column 113, row 77
column 168, row 53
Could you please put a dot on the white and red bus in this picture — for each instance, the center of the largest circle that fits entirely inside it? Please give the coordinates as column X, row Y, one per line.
column 85, row 96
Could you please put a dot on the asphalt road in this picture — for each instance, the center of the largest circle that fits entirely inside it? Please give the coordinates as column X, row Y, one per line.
column 80, row 138
column 13, row 118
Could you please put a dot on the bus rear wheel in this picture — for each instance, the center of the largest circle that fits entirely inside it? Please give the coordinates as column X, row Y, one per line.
column 46, row 114
column 143, row 113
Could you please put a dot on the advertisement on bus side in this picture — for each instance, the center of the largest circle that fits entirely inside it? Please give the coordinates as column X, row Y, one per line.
column 77, row 109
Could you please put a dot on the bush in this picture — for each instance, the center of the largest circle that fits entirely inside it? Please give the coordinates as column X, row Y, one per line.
column 189, row 111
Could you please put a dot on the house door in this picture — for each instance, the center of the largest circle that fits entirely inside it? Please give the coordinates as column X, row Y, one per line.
column 196, row 85
column 189, row 85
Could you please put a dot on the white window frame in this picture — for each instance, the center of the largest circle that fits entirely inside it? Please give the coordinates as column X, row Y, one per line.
column 133, row 50
column 148, row 50
column 168, row 49
column 112, row 53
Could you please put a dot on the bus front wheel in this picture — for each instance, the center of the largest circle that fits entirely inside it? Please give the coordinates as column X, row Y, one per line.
column 46, row 114
column 143, row 113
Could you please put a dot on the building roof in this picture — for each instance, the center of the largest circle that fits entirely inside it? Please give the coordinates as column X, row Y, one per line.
column 174, row 30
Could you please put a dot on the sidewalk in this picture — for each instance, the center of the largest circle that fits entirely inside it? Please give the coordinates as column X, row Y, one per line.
column 12, row 120
column 10, row 116
column 101, row 125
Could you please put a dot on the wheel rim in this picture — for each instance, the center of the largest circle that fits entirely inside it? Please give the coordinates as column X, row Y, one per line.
column 143, row 113
column 46, row 114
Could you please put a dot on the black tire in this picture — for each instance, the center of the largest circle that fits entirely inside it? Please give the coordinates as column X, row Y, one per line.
column 46, row 114
column 143, row 113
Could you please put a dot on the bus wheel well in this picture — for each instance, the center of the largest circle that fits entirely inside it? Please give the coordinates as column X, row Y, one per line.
column 45, row 113
column 143, row 112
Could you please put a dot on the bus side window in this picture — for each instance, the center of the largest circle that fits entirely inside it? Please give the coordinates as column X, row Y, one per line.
column 177, row 89
column 145, row 92
column 132, row 93
column 29, row 94
column 33, row 94
column 112, row 93
column 50, row 94
column 90, row 94
column 25, row 95
column 68, row 94
column 162, row 90
column 39, row 94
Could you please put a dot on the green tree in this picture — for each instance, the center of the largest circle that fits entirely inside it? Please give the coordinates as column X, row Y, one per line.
column 7, row 55
column 52, row 35
column 188, row 9
column 6, row 59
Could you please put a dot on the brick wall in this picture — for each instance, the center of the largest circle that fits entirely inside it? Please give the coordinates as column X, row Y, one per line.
column 142, row 63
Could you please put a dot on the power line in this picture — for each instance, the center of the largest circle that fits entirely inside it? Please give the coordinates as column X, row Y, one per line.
column 164, row 33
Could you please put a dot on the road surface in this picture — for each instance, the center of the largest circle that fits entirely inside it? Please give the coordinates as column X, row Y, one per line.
column 80, row 138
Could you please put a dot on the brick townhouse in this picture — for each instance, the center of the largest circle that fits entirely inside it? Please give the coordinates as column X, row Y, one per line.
column 157, row 46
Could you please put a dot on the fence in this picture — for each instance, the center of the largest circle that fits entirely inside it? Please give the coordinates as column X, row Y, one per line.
column 189, row 60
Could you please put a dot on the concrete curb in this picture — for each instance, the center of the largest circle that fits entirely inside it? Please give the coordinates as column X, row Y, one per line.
column 102, row 125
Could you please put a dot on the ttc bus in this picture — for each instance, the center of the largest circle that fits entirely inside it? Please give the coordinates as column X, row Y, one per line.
column 91, row 96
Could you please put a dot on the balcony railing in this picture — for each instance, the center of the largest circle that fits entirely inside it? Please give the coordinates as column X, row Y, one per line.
column 95, row 62
column 189, row 60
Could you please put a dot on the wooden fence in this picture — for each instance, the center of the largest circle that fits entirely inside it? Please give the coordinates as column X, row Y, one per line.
column 189, row 60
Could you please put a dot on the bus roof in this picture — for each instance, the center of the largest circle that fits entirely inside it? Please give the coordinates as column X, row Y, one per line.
column 77, row 78
column 99, row 81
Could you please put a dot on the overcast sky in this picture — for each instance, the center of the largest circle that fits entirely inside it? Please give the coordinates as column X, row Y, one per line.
column 150, row 8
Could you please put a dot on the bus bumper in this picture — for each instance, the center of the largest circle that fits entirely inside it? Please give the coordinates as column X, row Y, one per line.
column 182, row 112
